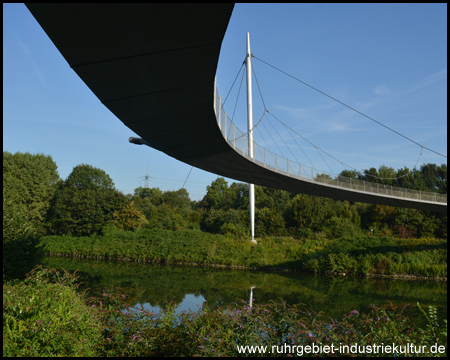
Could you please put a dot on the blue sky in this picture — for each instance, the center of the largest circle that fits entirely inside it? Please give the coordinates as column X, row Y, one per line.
column 388, row 61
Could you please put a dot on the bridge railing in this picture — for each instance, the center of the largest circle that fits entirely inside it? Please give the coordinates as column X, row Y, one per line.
column 238, row 140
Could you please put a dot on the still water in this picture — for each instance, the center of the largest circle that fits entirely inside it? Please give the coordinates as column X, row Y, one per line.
column 190, row 287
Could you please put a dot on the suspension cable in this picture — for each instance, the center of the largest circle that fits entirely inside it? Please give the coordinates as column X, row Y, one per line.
column 240, row 69
column 359, row 112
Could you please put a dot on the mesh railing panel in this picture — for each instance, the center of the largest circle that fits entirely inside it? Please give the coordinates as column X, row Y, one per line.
column 264, row 157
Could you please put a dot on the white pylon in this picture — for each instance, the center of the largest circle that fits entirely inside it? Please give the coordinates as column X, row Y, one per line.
column 250, row 136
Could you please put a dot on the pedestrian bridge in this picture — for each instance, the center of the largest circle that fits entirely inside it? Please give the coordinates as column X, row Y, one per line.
column 154, row 65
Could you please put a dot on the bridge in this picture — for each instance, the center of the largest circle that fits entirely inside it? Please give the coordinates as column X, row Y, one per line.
column 153, row 66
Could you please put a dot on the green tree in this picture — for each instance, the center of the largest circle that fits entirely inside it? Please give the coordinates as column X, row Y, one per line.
column 176, row 199
column 33, row 178
column 370, row 175
column 218, row 195
column 435, row 177
column 273, row 199
column 410, row 179
column 20, row 243
column 84, row 203
column 154, row 194
column 222, row 221
column 350, row 174
column 307, row 212
column 421, row 223
column 129, row 217
column 387, row 175
column 239, row 195
column 269, row 222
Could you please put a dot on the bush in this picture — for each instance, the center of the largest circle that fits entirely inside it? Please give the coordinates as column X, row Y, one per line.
column 44, row 316
column 21, row 251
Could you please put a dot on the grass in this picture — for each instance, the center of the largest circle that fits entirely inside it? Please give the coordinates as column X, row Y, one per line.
column 45, row 316
column 363, row 255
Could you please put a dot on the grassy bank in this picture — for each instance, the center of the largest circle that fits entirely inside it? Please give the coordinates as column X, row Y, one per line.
column 45, row 316
column 366, row 255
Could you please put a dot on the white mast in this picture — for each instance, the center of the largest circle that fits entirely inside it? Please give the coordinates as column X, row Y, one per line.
column 250, row 135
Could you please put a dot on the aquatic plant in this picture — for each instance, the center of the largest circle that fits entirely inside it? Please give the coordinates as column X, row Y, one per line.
column 45, row 316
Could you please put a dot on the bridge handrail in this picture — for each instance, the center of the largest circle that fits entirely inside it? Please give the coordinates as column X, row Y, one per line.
column 238, row 140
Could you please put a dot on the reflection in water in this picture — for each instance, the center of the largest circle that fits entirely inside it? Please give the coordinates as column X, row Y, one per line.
column 190, row 302
column 156, row 286
column 250, row 301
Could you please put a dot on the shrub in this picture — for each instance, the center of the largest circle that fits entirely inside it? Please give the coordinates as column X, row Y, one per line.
column 44, row 316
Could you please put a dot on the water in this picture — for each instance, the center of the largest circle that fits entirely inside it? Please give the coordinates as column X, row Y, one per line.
column 154, row 286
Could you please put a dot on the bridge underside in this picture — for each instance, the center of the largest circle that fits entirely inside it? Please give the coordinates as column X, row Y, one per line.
column 153, row 66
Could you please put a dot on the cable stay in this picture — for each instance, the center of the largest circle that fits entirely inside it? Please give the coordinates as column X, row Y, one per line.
column 264, row 118
column 351, row 108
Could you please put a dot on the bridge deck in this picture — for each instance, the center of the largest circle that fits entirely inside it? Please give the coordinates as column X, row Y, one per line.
column 153, row 66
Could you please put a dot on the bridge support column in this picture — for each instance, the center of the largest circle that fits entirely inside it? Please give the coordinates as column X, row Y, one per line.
column 250, row 136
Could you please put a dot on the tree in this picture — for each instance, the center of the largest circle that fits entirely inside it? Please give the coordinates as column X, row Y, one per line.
column 370, row 175
column 435, row 177
column 225, row 221
column 350, row 174
column 129, row 218
column 88, row 177
column 269, row 222
column 176, row 199
column 33, row 178
column 387, row 175
column 273, row 199
column 239, row 194
column 410, row 179
column 218, row 195
column 154, row 194
column 307, row 212
column 20, row 243
column 84, row 203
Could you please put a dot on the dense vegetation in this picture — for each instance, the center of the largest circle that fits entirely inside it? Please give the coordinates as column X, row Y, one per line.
column 362, row 256
column 34, row 324
column 85, row 215
column 38, row 204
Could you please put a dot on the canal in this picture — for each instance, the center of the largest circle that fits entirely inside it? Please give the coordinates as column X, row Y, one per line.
column 189, row 287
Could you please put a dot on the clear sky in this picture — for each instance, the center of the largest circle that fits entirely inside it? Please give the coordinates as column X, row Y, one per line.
column 388, row 61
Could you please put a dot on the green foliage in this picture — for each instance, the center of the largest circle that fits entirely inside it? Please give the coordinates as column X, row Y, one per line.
column 45, row 317
column 129, row 218
column 153, row 194
column 435, row 177
column 87, row 177
column 307, row 212
column 32, row 178
column 420, row 257
column 269, row 222
column 218, row 195
column 430, row 177
column 84, row 203
column 20, row 242
column 176, row 199
column 218, row 220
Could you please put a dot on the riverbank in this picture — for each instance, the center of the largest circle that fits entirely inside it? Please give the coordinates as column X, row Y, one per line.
column 259, row 268
column 370, row 256
column 46, row 315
